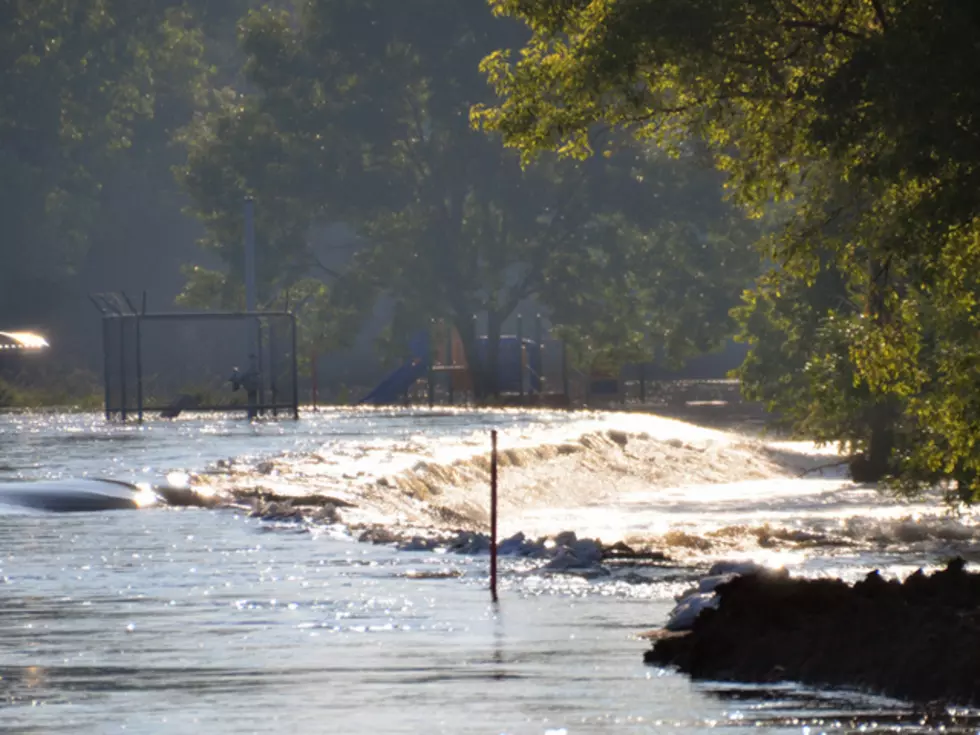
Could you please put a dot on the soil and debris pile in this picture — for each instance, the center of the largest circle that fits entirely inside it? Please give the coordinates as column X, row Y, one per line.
column 917, row 640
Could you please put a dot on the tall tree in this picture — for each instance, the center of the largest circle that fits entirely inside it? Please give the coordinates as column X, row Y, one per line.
column 91, row 93
column 859, row 113
column 361, row 114
column 94, row 95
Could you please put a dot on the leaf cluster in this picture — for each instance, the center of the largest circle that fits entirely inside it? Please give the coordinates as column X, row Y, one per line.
column 857, row 119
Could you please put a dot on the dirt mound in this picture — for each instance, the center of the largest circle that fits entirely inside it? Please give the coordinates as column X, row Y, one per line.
column 917, row 640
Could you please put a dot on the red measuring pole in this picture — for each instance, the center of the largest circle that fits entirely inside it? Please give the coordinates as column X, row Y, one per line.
column 493, row 515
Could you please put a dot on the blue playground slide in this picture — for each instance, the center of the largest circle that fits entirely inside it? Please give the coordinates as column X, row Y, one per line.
column 393, row 387
column 512, row 363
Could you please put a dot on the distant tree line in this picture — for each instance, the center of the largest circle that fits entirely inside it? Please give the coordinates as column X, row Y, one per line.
column 128, row 132
column 359, row 112
column 93, row 96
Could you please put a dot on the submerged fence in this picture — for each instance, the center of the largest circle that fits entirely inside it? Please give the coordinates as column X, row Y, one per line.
column 174, row 362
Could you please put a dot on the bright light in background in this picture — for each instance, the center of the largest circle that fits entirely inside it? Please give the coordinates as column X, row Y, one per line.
column 22, row 341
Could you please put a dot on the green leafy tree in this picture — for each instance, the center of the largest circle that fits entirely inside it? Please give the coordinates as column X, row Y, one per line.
column 680, row 260
column 91, row 93
column 360, row 113
column 856, row 115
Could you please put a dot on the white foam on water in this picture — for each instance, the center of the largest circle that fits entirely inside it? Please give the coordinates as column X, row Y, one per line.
column 645, row 479
column 576, row 460
column 659, row 482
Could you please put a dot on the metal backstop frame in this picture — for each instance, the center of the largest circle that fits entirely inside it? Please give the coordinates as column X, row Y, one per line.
column 123, row 324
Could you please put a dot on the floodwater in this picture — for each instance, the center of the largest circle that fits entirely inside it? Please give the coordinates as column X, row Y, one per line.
column 164, row 620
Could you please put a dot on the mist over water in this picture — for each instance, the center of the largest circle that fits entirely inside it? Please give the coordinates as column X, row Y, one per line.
column 165, row 620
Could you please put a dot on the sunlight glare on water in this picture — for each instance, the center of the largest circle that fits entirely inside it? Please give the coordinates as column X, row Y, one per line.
column 200, row 620
column 188, row 620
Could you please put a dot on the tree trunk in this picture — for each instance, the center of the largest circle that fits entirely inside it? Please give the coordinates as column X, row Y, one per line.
column 874, row 464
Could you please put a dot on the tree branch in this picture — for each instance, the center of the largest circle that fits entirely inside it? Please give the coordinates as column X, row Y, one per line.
column 822, row 467
column 422, row 167
column 326, row 269
column 525, row 288
column 824, row 29
column 880, row 14
column 795, row 49
column 882, row 272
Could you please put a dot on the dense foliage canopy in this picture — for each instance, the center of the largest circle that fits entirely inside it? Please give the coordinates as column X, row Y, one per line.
column 861, row 117
column 92, row 95
column 358, row 112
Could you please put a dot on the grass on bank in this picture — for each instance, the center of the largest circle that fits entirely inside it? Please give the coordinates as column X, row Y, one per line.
column 77, row 391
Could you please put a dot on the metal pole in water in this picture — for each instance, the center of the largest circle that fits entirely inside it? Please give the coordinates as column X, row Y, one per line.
column 520, row 355
column 139, row 359
column 106, row 370
column 122, row 369
column 293, row 341
column 564, row 369
column 476, row 371
column 250, row 304
column 431, row 373
column 493, row 515
column 262, row 365
column 539, row 339
column 139, row 368
column 450, row 360
column 272, row 370
column 316, row 388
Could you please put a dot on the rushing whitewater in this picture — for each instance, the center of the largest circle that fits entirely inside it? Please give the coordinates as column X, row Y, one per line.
column 650, row 481
column 646, row 480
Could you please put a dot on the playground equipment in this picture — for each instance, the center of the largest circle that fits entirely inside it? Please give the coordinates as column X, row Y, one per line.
column 397, row 383
column 439, row 351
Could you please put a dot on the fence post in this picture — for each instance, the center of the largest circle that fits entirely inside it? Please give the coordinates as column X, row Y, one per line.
column 253, row 341
column 539, row 339
column 564, row 371
column 520, row 356
column 450, row 361
column 139, row 357
column 294, row 345
column 273, row 387
column 122, row 368
column 315, row 378
column 106, row 370
column 139, row 368
column 430, row 375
